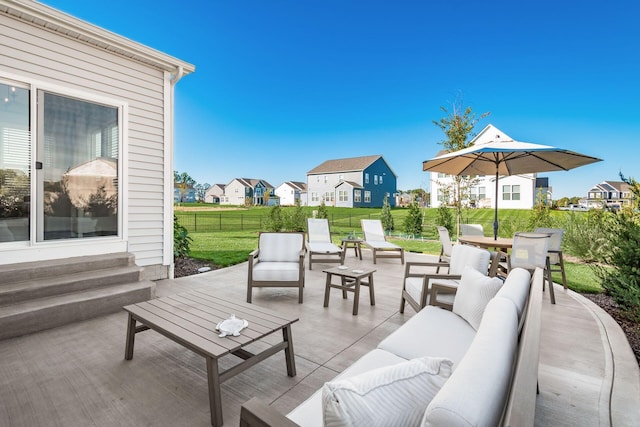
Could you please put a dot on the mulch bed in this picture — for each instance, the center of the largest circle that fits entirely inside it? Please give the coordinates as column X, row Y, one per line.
column 189, row 266
column 631, row 329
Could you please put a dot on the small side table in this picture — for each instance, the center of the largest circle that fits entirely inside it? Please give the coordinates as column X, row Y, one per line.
column 350, row 281
column 356, row 244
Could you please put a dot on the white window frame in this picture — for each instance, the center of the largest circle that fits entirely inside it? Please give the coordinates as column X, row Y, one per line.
column 357, row 196
column 366, row 178
column 367, row 196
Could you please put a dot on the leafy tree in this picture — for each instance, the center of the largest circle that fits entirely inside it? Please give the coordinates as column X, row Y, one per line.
column 201, row 191
column 413, row 220
column 458, row 126
column 540, row 213
column 322, row 211
column 275, row 220
column 181, row 240
column 445, row 217
column 183, row 181
column 634, row 187
column 101, row 205
column 296, row 220
column 386, row 217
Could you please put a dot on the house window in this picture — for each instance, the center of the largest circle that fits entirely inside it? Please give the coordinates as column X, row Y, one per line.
column 366, row 178
column 329, row 196
column 357, row 196
column 341, row 177
column 380, row 179
column 440, row 196
column 343, row 196
column 236, row 190
column 478, row 193
column 442, row 175
column 314, row 196
column 510, row 192
column 318, row 178
column 375, row 179
column 367, row 196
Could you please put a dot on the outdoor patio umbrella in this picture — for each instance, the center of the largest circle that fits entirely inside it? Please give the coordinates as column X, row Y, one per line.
column 506, row 157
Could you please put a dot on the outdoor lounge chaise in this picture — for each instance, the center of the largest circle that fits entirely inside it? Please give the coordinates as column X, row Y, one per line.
column 375, row 240
column 319, row 244
column 278, row 262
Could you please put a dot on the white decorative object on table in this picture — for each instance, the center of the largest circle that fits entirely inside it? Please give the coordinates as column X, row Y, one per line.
column 231, row 326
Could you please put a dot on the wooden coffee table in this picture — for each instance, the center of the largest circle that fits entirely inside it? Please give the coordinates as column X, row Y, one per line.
column 354, row 243
column 190, row 319
column 350, row 281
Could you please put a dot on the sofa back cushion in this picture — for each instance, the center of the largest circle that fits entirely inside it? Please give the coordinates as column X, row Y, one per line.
column 516, row 288
column 467, row 255
column 280, row 247
column 476, row 392
column 393, row 395
column 474, row 292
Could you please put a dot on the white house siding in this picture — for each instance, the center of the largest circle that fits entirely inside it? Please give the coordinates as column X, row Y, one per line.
column 526, row 183
column 31, row 54
column 317, row 184
column 230, row 195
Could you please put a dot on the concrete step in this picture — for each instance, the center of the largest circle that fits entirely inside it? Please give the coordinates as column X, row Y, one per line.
column 17, row 292
column 53, row 311
column 20, row 272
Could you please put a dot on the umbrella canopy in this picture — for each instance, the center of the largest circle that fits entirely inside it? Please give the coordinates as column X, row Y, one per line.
column 506, row 157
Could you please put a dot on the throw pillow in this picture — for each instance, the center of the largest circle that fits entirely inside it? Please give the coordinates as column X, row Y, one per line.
column 395, row 395
column 474, row 292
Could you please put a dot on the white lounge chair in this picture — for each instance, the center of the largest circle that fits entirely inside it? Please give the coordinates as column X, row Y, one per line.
column 471, row 230
column 319, row 245
column 375, row 240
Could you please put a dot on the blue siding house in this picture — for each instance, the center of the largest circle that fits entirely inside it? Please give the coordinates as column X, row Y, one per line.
column 352, row 182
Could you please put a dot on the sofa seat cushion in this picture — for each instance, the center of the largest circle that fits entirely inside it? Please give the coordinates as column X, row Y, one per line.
column 477, row 390
column 474, row 292
column 413, row 286
column 276, row 271
column 323, row 247
column 432, row 331
column 309, row 412
column 280, row 246
column 392, row 395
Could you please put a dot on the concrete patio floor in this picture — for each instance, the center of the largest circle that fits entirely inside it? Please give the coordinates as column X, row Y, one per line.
column 76, row 375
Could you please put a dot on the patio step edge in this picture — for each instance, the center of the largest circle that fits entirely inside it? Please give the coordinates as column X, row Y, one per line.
column 53, row 311
column 17, row 292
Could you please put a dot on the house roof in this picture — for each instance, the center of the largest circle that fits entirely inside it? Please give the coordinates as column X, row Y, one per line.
column 351, row 183
column 252, row 182
column 297, row 185
column 619, row 186
column 351, row 164
column 69, row 26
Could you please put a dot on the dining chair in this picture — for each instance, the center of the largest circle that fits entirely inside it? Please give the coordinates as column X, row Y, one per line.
column 471, row 230
column 530, row 251
column 555, row 259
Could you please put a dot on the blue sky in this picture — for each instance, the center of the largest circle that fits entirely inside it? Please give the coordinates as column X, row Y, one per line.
column 283, row 85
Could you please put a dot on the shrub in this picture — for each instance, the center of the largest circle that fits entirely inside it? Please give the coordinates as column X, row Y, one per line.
column 445, row 218
column 540, row 215
column 274, row 221
column 622, row 281
column 385, row 217
column 296, row 219
column 181, row 240
column 585, row 235
column 322, row 211
column 413, row 220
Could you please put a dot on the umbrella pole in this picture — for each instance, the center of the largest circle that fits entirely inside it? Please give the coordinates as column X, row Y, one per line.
column 495, row 215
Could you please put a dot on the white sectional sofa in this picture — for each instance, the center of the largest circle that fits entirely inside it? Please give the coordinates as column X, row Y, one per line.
column 473, row 366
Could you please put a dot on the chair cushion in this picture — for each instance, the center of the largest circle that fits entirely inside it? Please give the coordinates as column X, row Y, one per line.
column 393, row 395
column 381, row 244
column 323, row 248
column 309, row 412
column 276, row 271
column 413, row 286
column 476, row 392
column 516, row 288
column 280, row 246
column 467, row 255
column 432, row 331
column 474, row 292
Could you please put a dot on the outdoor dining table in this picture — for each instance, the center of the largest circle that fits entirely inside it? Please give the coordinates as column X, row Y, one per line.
column 486, row 242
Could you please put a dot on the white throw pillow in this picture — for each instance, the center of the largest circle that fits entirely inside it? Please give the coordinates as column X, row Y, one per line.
column 395, row 395
column 474, row 292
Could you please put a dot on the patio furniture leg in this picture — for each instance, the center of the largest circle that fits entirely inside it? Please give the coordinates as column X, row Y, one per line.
column 356, row 297
column 131, row 337
column 289, row 355
column 552, row 294
column 344, row 289
column 371, row 294
column 326, row 290
column 215, row 398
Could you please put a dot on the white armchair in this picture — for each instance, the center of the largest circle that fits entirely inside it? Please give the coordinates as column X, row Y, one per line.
column 278, row 262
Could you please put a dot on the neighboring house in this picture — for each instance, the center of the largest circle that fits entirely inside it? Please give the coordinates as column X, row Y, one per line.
column 188, row 195
column 242, row 191
column 514, row 192
column 290, row 191
column 95, row 176
column 352, row 182
column 214, row 193
column 609, row 193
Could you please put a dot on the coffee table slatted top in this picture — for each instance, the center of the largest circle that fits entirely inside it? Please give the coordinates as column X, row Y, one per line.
column 190, row 318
